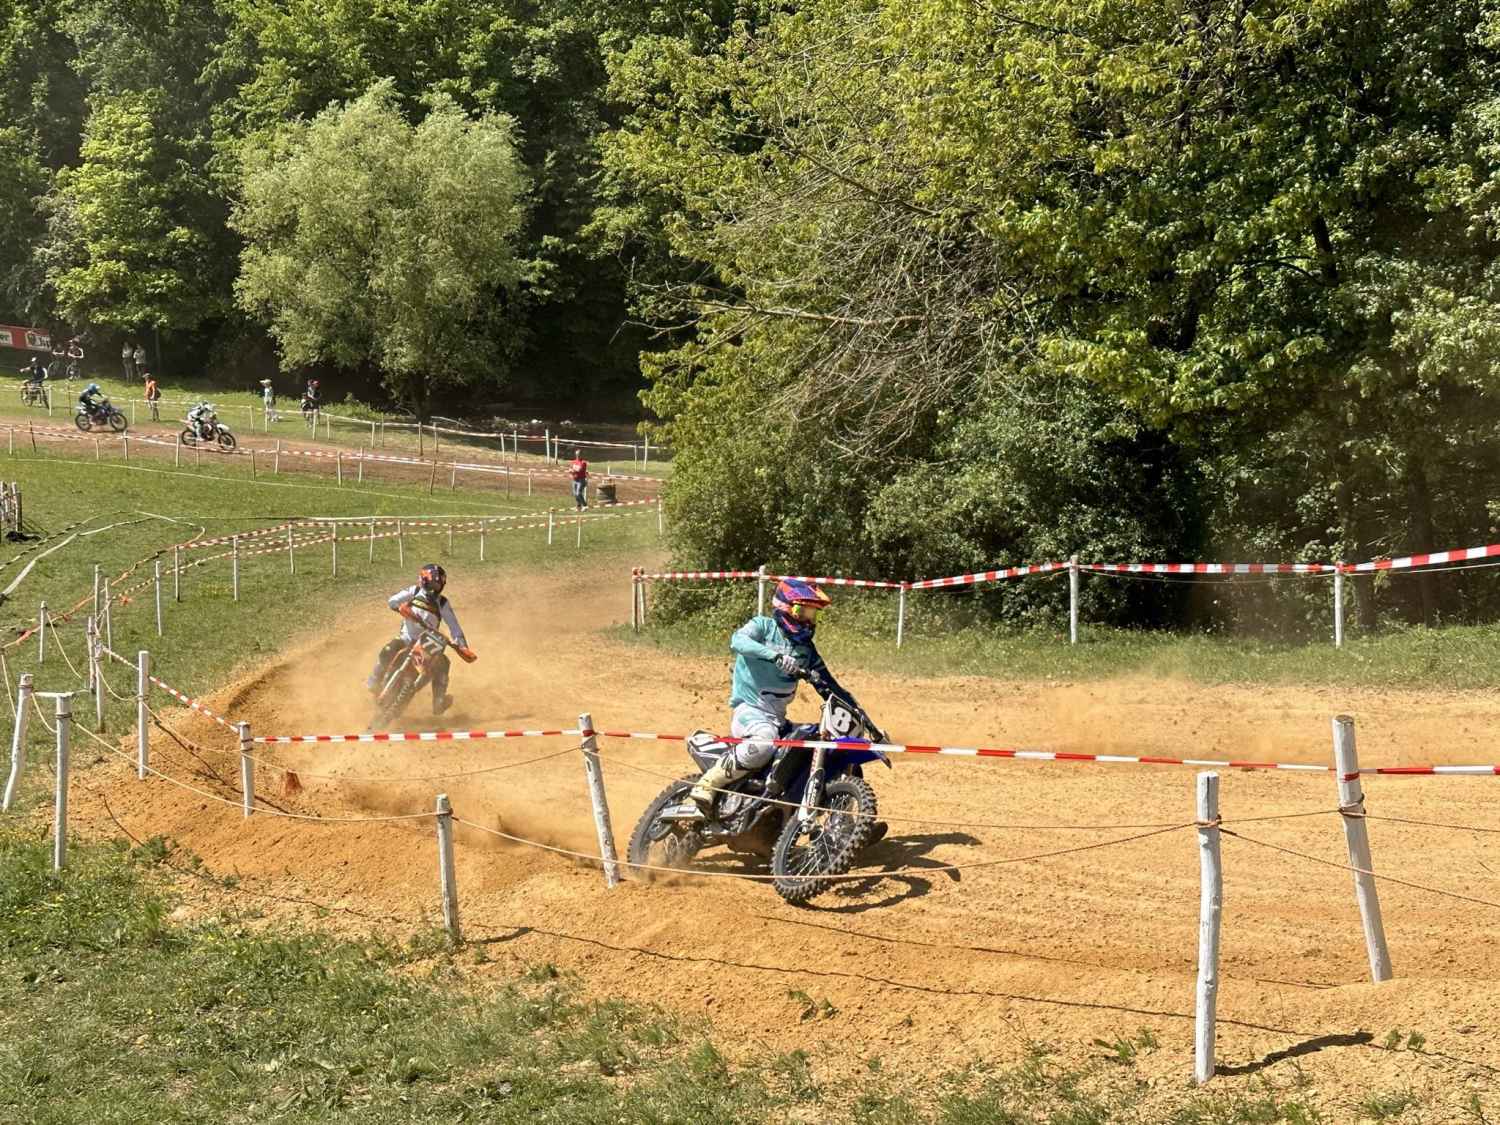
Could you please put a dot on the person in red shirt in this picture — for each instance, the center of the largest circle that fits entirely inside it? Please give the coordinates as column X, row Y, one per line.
column 578, row 469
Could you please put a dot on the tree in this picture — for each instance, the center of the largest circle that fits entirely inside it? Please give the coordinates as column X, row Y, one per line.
column 372, row 242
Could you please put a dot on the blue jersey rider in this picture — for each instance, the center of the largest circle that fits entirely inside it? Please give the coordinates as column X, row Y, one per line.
column 423, row 608
column 770, row 655
column 91, row 399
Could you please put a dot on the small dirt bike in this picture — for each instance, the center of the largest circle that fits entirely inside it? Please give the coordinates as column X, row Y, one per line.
column 213, row 430
column 33, row 394
column 810, row 811
column 411, row 671
column 103, row 414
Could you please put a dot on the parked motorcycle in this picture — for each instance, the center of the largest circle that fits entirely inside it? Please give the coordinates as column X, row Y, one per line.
column 810, row 811
column 103, row 414
column 213, row 430
column 410, row 672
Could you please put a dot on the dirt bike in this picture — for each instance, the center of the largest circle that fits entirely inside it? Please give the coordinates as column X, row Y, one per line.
column 310, row 412
column 810, row 811
column 213, row 431
column 102, row 414
column 410, row 672
column 33, row 394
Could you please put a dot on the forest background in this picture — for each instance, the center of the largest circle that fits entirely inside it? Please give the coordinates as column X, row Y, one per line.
column 911, row 287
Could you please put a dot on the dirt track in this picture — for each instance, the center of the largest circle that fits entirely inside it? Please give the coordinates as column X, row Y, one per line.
column 943, row 968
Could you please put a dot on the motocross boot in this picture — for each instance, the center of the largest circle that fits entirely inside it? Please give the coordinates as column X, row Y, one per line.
column 441, row 704
column 716, row 777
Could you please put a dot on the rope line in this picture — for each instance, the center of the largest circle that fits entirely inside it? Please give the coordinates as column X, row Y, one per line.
column 1363, row 871
column 1424, row 823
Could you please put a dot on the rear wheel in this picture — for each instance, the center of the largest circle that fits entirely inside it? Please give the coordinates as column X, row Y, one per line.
column 665, row 843
column 826, row 843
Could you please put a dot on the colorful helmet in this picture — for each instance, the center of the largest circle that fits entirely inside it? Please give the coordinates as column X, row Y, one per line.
column 91, row 389
column 432, row 578
column 795, row 606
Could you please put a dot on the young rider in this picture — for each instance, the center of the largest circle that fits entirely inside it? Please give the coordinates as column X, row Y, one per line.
column 201, row 417
column 770, row 654
column 423, row 607
column 91, row 399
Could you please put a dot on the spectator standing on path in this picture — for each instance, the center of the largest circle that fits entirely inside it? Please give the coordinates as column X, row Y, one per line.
column 153, row 395
column 578, row 469
column 140, row 359
column 127, row 359
column 268, row 396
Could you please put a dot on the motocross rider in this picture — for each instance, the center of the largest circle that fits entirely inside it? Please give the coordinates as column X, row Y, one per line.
column 202, row 417
column 91, row 399
column 770, row 654
column 423, row 607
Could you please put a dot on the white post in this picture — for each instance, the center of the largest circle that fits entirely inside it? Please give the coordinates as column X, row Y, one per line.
column 578, row 519
column 335, row 542
column 96, row 659
column 291, row 553
column 156, row 578
column 360, row 477
column 452, row 476
column 643, row 597
column 125, row 444
column 400, row 546
column 177, row 455
column 177, row 573
column 142, row 714
column 528, row 482
column 234, row 566
column 132, row 412
column 1073, row 600
column 60, row 797
column 338, row 466
column 41, row 633
column 660, row 527
column 1338, row 605
column 646, row 451
column 109, row 618
column 481, row 540
column 900, row 614
column 276, row 461
column 446, row 873
column 549, row 527
column 372, row 540
column 98, row 578
column 372, row 433
column 247, row 770
column 760, row 591
column 18, row 741
column 1210, row 912
column 595, row 774
column 546, row 446
column 1352, row 806
column 635, row 598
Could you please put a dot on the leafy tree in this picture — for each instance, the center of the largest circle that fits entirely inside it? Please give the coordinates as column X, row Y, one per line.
column 372, row 242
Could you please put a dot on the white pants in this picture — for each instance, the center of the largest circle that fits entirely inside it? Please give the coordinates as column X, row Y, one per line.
column 761, row 728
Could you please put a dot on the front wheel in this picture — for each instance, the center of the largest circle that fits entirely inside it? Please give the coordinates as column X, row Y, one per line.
column 188, row 437
column 665, row 843
column 82, row 422
column 826, row 843
column 117, row 422
column 226, row 439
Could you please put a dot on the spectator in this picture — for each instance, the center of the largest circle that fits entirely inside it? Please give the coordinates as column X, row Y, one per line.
column 127, row 358
column 268, row 396
column 578, row 469
column 140, row 358
column 153, row 395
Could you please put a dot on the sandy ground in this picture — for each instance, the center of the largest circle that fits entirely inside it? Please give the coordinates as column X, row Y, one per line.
column 944, row 968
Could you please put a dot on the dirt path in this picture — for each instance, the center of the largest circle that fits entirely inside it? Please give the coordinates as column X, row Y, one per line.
column 951, row 967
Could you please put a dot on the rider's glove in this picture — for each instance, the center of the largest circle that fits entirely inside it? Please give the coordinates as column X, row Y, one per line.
column 789, row 664
column 468, row 654
column 405, row 610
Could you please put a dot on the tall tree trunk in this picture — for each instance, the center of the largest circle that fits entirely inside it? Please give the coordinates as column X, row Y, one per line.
column 1421, row 535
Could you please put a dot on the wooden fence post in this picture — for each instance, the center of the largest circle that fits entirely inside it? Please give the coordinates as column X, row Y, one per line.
column 1210, row 914
column 598, row 800
column 247, row 770
column 142, row 713
column 1356, row 836
column 446, row 874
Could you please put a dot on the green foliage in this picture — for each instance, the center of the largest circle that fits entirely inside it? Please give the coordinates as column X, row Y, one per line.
column 371, row 241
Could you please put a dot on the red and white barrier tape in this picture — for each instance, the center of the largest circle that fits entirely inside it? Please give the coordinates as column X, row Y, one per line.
column 987, row 576
column 1064, row 756
column 1211, row 568
column 1434, row 558
column 414, row 736
column 193, row 703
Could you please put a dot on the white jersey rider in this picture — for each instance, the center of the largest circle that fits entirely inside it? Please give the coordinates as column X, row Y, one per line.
column 423, row 608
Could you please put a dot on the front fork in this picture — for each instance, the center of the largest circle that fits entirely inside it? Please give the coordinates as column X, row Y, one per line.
column 812, row 793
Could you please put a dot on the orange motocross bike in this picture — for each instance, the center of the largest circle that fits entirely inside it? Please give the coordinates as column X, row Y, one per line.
column 411, row 671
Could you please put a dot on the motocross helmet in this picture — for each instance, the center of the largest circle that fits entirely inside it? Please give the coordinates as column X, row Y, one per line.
column 91, row 389
column 795, row 605
column 432, row 578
